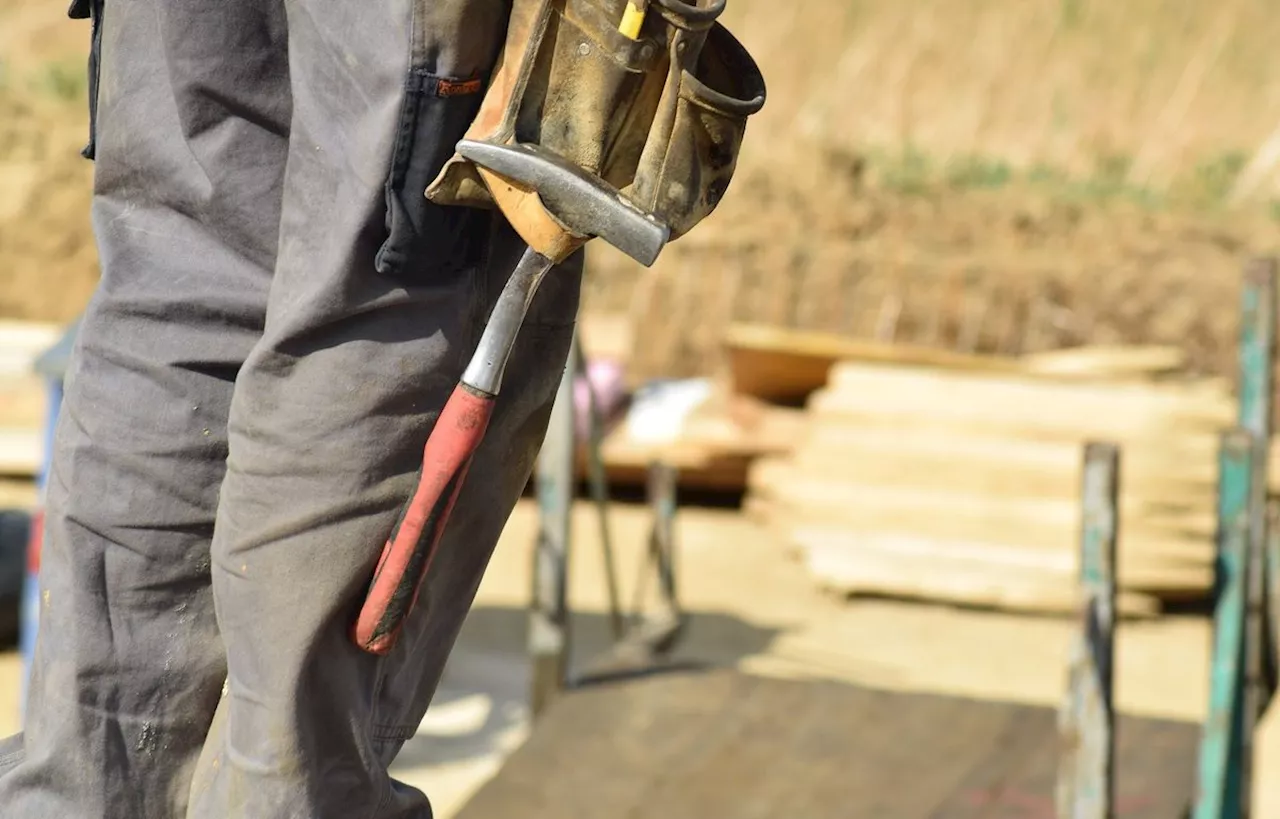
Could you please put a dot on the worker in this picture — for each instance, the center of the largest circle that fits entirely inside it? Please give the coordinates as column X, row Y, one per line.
column 281, row 315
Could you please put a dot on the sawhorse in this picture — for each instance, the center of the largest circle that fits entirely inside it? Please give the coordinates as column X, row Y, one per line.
column 1243, row 669
column 640, row 640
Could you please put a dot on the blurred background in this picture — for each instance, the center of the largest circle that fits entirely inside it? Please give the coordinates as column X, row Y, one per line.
column 964, row 237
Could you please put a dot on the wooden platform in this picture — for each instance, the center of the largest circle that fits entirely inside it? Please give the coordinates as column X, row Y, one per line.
column 728, row 745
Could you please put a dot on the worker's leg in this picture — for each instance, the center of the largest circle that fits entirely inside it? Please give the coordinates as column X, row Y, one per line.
column 334, row 405
column 191, row 140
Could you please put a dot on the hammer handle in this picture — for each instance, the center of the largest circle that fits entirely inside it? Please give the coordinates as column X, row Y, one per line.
column 408, row 553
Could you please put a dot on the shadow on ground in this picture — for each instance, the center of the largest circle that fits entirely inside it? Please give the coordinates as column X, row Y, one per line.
column 481, row 709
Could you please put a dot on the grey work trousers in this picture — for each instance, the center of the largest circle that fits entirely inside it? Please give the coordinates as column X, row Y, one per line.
column 280, row 318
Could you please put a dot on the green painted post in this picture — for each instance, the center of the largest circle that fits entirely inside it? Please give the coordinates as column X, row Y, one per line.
column 1219, row 794
column 1257, row 346
column 1257, row 387
column 1271, row 595
column 1086, row 772
column 1257, row 364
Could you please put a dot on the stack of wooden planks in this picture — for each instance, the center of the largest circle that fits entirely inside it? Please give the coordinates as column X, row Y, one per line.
column 961, row 484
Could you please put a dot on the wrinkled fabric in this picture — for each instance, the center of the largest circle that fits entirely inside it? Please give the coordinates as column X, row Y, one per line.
column 280, row 318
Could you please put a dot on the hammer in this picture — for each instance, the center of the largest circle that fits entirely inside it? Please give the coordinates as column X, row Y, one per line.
column 556, row 207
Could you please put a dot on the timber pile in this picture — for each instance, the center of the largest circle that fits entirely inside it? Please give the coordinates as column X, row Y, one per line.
column 961, row 485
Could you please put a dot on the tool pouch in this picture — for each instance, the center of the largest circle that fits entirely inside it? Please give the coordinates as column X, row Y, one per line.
column 660, row 117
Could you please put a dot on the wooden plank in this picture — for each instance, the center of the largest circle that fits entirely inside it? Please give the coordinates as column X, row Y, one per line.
column 783, row 364
column 1203, row 398
column 1141, row 572
column 21, row 452
column 23, row 402
column 904, row 578
column 1101, row 362
column 1026, row 405
column 1168, row 465
column 906, row 509
column 1053, row 547
column 729, row 745
column 21, row 342
column 923, row 469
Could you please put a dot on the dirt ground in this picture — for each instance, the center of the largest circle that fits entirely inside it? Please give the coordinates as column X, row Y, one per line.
column 755, row 609
column 816, row 231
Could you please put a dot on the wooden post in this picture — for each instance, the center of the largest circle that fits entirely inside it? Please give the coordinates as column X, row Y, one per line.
column 1221, row 775
column 1086, row 782
column 549, row 609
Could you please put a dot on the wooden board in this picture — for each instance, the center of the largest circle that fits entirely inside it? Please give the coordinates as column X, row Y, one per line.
column 785, row 364
column 874, row 507
column 21, row 342
column 732, row 746
column 1019, row 407
column 1172, row 465
column 782, row 364
column 976, row 574
column 21, row 452
column 1105, row 362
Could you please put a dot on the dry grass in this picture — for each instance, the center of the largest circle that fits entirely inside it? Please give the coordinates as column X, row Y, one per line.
column 990, row 174
column 1167, row 88
column 994, row 174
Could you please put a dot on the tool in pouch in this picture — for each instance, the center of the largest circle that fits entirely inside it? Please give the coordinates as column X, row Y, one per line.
column 613, row 119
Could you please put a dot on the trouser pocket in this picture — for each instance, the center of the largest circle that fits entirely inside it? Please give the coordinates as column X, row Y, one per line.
column 425, row 241
column 91, row 10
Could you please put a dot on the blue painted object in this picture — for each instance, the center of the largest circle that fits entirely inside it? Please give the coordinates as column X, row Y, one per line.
column 52, row 366
column 1086, row 720
column 1219, row 794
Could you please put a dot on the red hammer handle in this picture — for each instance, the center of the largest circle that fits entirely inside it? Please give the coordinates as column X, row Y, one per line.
column 408, row 553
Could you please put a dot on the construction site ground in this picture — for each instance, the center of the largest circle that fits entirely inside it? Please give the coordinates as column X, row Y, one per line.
column 754, row 609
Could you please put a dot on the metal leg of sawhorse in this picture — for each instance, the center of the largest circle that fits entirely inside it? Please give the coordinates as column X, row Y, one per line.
column 639, row 641
column 549, row 609
column 1086, row 777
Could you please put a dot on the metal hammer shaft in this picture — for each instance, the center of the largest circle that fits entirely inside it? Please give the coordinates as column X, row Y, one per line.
column 446, row 458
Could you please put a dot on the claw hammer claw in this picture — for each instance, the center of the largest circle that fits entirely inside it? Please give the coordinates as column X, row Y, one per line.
column 574, row 207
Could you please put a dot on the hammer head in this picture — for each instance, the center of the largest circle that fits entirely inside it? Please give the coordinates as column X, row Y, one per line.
column 581, row 201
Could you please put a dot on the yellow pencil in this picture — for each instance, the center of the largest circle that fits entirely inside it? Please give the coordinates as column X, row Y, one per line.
column 633, row 18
